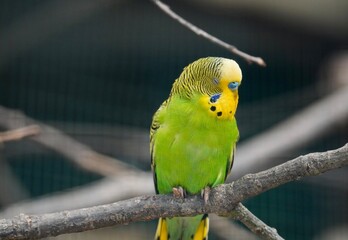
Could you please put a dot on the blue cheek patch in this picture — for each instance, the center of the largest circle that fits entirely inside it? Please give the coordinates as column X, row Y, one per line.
column 215, row 97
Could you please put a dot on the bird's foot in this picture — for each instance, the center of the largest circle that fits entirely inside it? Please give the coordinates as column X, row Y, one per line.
column 205, row 194
column 179, row 192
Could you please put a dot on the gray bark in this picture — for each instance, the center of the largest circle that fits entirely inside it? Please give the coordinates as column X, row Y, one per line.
column 223, row 200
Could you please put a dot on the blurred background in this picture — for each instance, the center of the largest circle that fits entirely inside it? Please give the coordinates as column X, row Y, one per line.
column 96, row 71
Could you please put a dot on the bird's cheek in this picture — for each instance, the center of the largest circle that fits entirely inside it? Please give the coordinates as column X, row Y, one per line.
column 236, row 97
column 235, row 102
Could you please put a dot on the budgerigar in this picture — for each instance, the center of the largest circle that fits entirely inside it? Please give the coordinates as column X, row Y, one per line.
column 193, row 137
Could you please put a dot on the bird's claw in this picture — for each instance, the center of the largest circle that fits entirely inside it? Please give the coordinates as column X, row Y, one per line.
column 179, row 192
column 205, row 194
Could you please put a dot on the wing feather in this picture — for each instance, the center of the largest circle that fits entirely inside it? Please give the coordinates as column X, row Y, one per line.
column 156, row 124
column 231, row 159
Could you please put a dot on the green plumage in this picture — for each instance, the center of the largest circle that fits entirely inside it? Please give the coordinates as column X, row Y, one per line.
column 191, row 144
column 195, row 149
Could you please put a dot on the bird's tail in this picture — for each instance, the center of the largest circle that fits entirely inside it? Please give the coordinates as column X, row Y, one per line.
column 183, row 228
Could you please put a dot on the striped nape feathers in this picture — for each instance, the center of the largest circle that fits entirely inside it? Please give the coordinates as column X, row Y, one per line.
column 208, row 75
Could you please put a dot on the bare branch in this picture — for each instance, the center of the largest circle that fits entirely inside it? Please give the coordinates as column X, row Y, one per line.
column 222, row 201
column 9, row 184
column 47, row 205
column 108, row 190
column 258, row 227
column 296, row 131
column 60, row 201
column 250, row 59
column 20, row 133
column 80, row 154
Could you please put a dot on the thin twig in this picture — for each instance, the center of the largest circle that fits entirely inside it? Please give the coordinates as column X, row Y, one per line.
column 250, row 59
column 242, row 214
column 222, row 201
column 19, row 133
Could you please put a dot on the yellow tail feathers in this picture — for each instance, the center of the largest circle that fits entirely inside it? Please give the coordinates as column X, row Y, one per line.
column 162, row 230
column 201, row 232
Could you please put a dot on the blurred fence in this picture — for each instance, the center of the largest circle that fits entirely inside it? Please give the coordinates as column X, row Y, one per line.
column 98, row 70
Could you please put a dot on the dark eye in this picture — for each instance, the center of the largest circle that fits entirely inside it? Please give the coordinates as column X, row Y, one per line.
column 215, row 81
column 233, row 85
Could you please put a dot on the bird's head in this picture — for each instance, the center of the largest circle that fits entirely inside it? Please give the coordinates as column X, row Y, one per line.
column 216, row 80
column 209, row 75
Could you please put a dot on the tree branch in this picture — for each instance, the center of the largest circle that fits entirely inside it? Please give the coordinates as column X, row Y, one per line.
column 40, row 206
column 258, row 227
column 9, row 184
column 19, row 133
column 80, row 154
column 129, row 184
column 250, row 59
column 110, row 190
column 223, row 200
column 294, row 132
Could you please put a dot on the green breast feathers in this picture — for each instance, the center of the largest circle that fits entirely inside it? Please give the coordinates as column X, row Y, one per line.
column 193, row 136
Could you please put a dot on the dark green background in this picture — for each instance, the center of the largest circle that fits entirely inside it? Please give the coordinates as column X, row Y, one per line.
column 116, row 66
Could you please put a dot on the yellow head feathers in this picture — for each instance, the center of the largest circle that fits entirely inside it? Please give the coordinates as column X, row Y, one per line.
column 208, row 76
column 230, row 73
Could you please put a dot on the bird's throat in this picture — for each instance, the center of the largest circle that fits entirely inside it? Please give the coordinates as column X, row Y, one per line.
column 224, row 108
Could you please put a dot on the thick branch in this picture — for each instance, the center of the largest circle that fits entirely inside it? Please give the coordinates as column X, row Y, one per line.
column 222, row 201
column 250, row 59
column 110, row 190
column 65, row 151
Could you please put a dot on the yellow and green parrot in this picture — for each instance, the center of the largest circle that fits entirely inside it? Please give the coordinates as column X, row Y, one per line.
column 193, row 137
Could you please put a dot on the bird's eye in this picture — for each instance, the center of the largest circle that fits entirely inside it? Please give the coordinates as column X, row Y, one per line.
column 233, row 85
column 215, row 80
